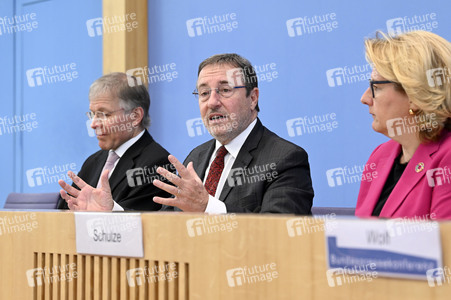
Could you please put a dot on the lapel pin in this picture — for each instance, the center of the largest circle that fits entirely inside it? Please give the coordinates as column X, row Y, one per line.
column 419, row 167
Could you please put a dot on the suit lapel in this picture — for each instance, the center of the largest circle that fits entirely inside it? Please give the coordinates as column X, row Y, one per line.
column 119, row 172
column 127, row 160
column 242, row 161
column 244, row 157
column 420, row 161
column 204, row 159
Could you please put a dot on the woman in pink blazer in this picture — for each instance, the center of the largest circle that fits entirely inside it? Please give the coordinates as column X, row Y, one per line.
column 410, row 100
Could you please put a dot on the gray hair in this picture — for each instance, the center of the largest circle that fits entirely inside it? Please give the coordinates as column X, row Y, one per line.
column 118, row 85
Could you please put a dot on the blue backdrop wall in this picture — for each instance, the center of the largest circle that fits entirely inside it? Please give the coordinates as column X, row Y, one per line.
column 309, row 58
column 47, row 64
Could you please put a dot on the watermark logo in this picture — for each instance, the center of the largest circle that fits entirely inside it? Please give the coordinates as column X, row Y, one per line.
column 111, row 24
column 438, row 276
column 139, row 74
column 103, row 226
column 157, row 273
column 51, row 74
column 335, row 77
column 395, row 26
column 211, row 224
column 348, row 75
column 211, row 25
column 405, row 24
column 340, row 276
column 18, row 223
column 142, row 176
column 195, row 127
column 258, row 73
column 438, row 176
column 94, row 26
column 257, row 173
column 310, row 25
column 438, row 76
column 45, row 175
column 113, row 124
column 18, row 23
column 35, row 77
column 240, row 76
column 39, row 276
column 254, row 274
column 403, row 226
column 18, row 123
column 411, row 124
column 150, row 75
column 311, row 125
column 195, row 27
column 349, row 175
column 34, row 277
column 302, row 226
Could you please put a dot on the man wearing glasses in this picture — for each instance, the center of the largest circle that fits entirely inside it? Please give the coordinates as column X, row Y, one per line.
column 246, row 168
column 119, row 112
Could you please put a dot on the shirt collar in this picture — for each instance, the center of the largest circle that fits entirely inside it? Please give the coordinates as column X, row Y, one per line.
column 124, row 147
column 235, row 145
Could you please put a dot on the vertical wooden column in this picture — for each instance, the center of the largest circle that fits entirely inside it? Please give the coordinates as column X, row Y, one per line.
column 122, row 49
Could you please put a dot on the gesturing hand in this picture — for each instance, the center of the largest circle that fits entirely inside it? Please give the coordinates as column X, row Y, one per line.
column 189, row 191
column 87, row 198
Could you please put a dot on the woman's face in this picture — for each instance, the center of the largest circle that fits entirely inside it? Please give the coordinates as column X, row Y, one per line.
column 389, row 107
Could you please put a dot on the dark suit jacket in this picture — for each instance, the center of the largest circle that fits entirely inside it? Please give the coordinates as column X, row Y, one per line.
column 269, row 175
column 130, row 195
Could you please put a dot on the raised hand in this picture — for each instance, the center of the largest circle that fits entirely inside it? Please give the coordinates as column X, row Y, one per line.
column 87, row 198
column 189, row 191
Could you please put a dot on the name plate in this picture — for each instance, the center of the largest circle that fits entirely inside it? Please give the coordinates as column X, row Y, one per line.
column 393, row 248
column 113, row 234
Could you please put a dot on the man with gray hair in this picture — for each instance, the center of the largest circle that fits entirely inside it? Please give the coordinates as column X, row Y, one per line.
column 119, row 111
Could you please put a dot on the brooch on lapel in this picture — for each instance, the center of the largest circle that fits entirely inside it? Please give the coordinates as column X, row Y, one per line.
column 419, row 167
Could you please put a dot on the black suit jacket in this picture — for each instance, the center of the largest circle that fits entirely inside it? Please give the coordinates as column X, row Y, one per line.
column 269, row 175
column 146, row 154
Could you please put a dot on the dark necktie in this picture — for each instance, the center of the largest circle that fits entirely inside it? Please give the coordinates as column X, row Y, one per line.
column 215, row 171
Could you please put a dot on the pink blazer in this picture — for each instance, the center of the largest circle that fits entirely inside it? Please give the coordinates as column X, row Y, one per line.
column 424, row 189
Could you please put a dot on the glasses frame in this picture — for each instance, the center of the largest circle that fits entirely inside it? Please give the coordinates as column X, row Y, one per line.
column 373, row 82
column 196, row 92
column 92, row 114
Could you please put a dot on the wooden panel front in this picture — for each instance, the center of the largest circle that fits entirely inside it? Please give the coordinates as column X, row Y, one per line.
column 207, row 253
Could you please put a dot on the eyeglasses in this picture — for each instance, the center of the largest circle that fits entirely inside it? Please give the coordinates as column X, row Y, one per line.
column 373, row 82
column 225, row 91
column 100, row 115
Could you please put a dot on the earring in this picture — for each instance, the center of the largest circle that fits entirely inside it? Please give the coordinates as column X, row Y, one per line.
column 411, row 112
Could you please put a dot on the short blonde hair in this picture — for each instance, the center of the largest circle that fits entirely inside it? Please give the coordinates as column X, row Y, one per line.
column 408, row 60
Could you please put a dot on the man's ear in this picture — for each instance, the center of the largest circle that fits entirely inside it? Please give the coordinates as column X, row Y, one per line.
column 137, row 116
column 254, row 97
